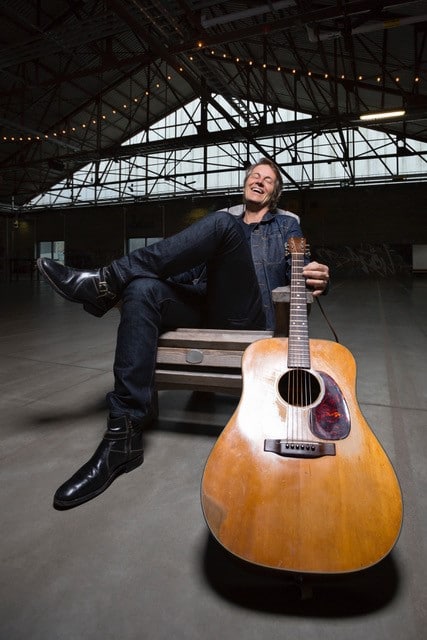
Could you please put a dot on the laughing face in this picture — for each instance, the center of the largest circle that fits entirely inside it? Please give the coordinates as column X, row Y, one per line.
column 259, row 187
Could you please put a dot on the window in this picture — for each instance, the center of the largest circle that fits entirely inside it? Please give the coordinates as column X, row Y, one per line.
column 51, row 249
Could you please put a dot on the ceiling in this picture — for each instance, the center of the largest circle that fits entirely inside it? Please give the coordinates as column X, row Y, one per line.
column 80, row 77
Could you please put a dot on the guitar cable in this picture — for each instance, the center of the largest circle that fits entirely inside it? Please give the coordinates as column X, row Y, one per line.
column 327, row 319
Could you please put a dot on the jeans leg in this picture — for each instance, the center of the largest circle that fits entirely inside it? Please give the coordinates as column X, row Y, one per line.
column 234, row 299
column 149, row 306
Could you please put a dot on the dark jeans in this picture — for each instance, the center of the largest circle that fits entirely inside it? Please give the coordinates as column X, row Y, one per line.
column 151, row 304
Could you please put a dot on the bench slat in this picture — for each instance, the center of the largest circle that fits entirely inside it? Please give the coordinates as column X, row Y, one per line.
column 209, row 357
column 200, row 381
column 211, row 338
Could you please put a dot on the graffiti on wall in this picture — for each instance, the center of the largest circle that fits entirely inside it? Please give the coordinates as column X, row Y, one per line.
column 380, row 260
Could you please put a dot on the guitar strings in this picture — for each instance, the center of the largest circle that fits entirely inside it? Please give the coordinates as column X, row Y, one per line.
column 299, row 387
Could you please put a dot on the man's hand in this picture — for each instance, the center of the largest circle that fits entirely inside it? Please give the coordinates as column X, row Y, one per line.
column 317, row 277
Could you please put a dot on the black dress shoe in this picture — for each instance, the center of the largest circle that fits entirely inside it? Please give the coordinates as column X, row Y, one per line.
column 96, row 290
column 120, row 451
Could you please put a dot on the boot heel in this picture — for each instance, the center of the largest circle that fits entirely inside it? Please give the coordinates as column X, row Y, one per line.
column 133, row 464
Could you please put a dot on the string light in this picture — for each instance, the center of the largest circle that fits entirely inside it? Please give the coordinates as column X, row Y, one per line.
column 114, row 111
column 85, row 125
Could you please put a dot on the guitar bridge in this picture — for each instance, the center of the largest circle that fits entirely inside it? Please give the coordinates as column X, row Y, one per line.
column 299, row 449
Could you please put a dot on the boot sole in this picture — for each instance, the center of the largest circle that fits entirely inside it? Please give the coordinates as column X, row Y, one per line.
column 87, row 306
column 62, row 505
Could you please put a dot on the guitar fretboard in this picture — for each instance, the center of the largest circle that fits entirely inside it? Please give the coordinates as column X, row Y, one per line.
column 299, row 348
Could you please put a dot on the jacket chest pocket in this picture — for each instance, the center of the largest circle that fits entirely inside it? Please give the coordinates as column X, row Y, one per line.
column 272, row 250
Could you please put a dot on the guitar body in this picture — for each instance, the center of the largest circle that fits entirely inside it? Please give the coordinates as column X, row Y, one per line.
column 301, row 485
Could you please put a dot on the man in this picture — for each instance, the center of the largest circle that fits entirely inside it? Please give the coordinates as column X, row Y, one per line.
column 219, row 272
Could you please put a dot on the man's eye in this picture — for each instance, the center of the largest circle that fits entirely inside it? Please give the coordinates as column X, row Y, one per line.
column 258, row 176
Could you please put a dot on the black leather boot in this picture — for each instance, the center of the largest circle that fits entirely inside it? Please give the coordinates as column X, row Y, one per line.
column 120, row 451
column 96, row 290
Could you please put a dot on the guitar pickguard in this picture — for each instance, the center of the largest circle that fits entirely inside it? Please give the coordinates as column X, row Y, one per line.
column 330, row 419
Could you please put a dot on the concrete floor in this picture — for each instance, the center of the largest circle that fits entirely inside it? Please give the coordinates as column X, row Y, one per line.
column 137, row 562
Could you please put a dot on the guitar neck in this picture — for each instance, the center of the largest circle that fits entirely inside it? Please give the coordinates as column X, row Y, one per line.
column 299, row 346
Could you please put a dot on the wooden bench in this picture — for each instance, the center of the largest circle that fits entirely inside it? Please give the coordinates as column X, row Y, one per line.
column 210, row 359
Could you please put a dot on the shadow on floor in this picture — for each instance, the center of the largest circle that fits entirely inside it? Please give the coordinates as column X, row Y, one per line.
column 78, row 411
column 206, row 413
column 267, row 590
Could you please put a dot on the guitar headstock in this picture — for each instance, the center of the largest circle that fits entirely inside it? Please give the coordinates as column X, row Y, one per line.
column 297, row 245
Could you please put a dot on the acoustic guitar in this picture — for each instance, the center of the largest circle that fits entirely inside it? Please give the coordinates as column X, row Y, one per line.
column 297, row 480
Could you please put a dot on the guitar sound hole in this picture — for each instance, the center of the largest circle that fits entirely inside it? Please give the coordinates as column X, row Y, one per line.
column 299, row 387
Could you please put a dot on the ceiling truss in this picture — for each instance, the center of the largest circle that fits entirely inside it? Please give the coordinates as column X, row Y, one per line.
column 78, row 79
